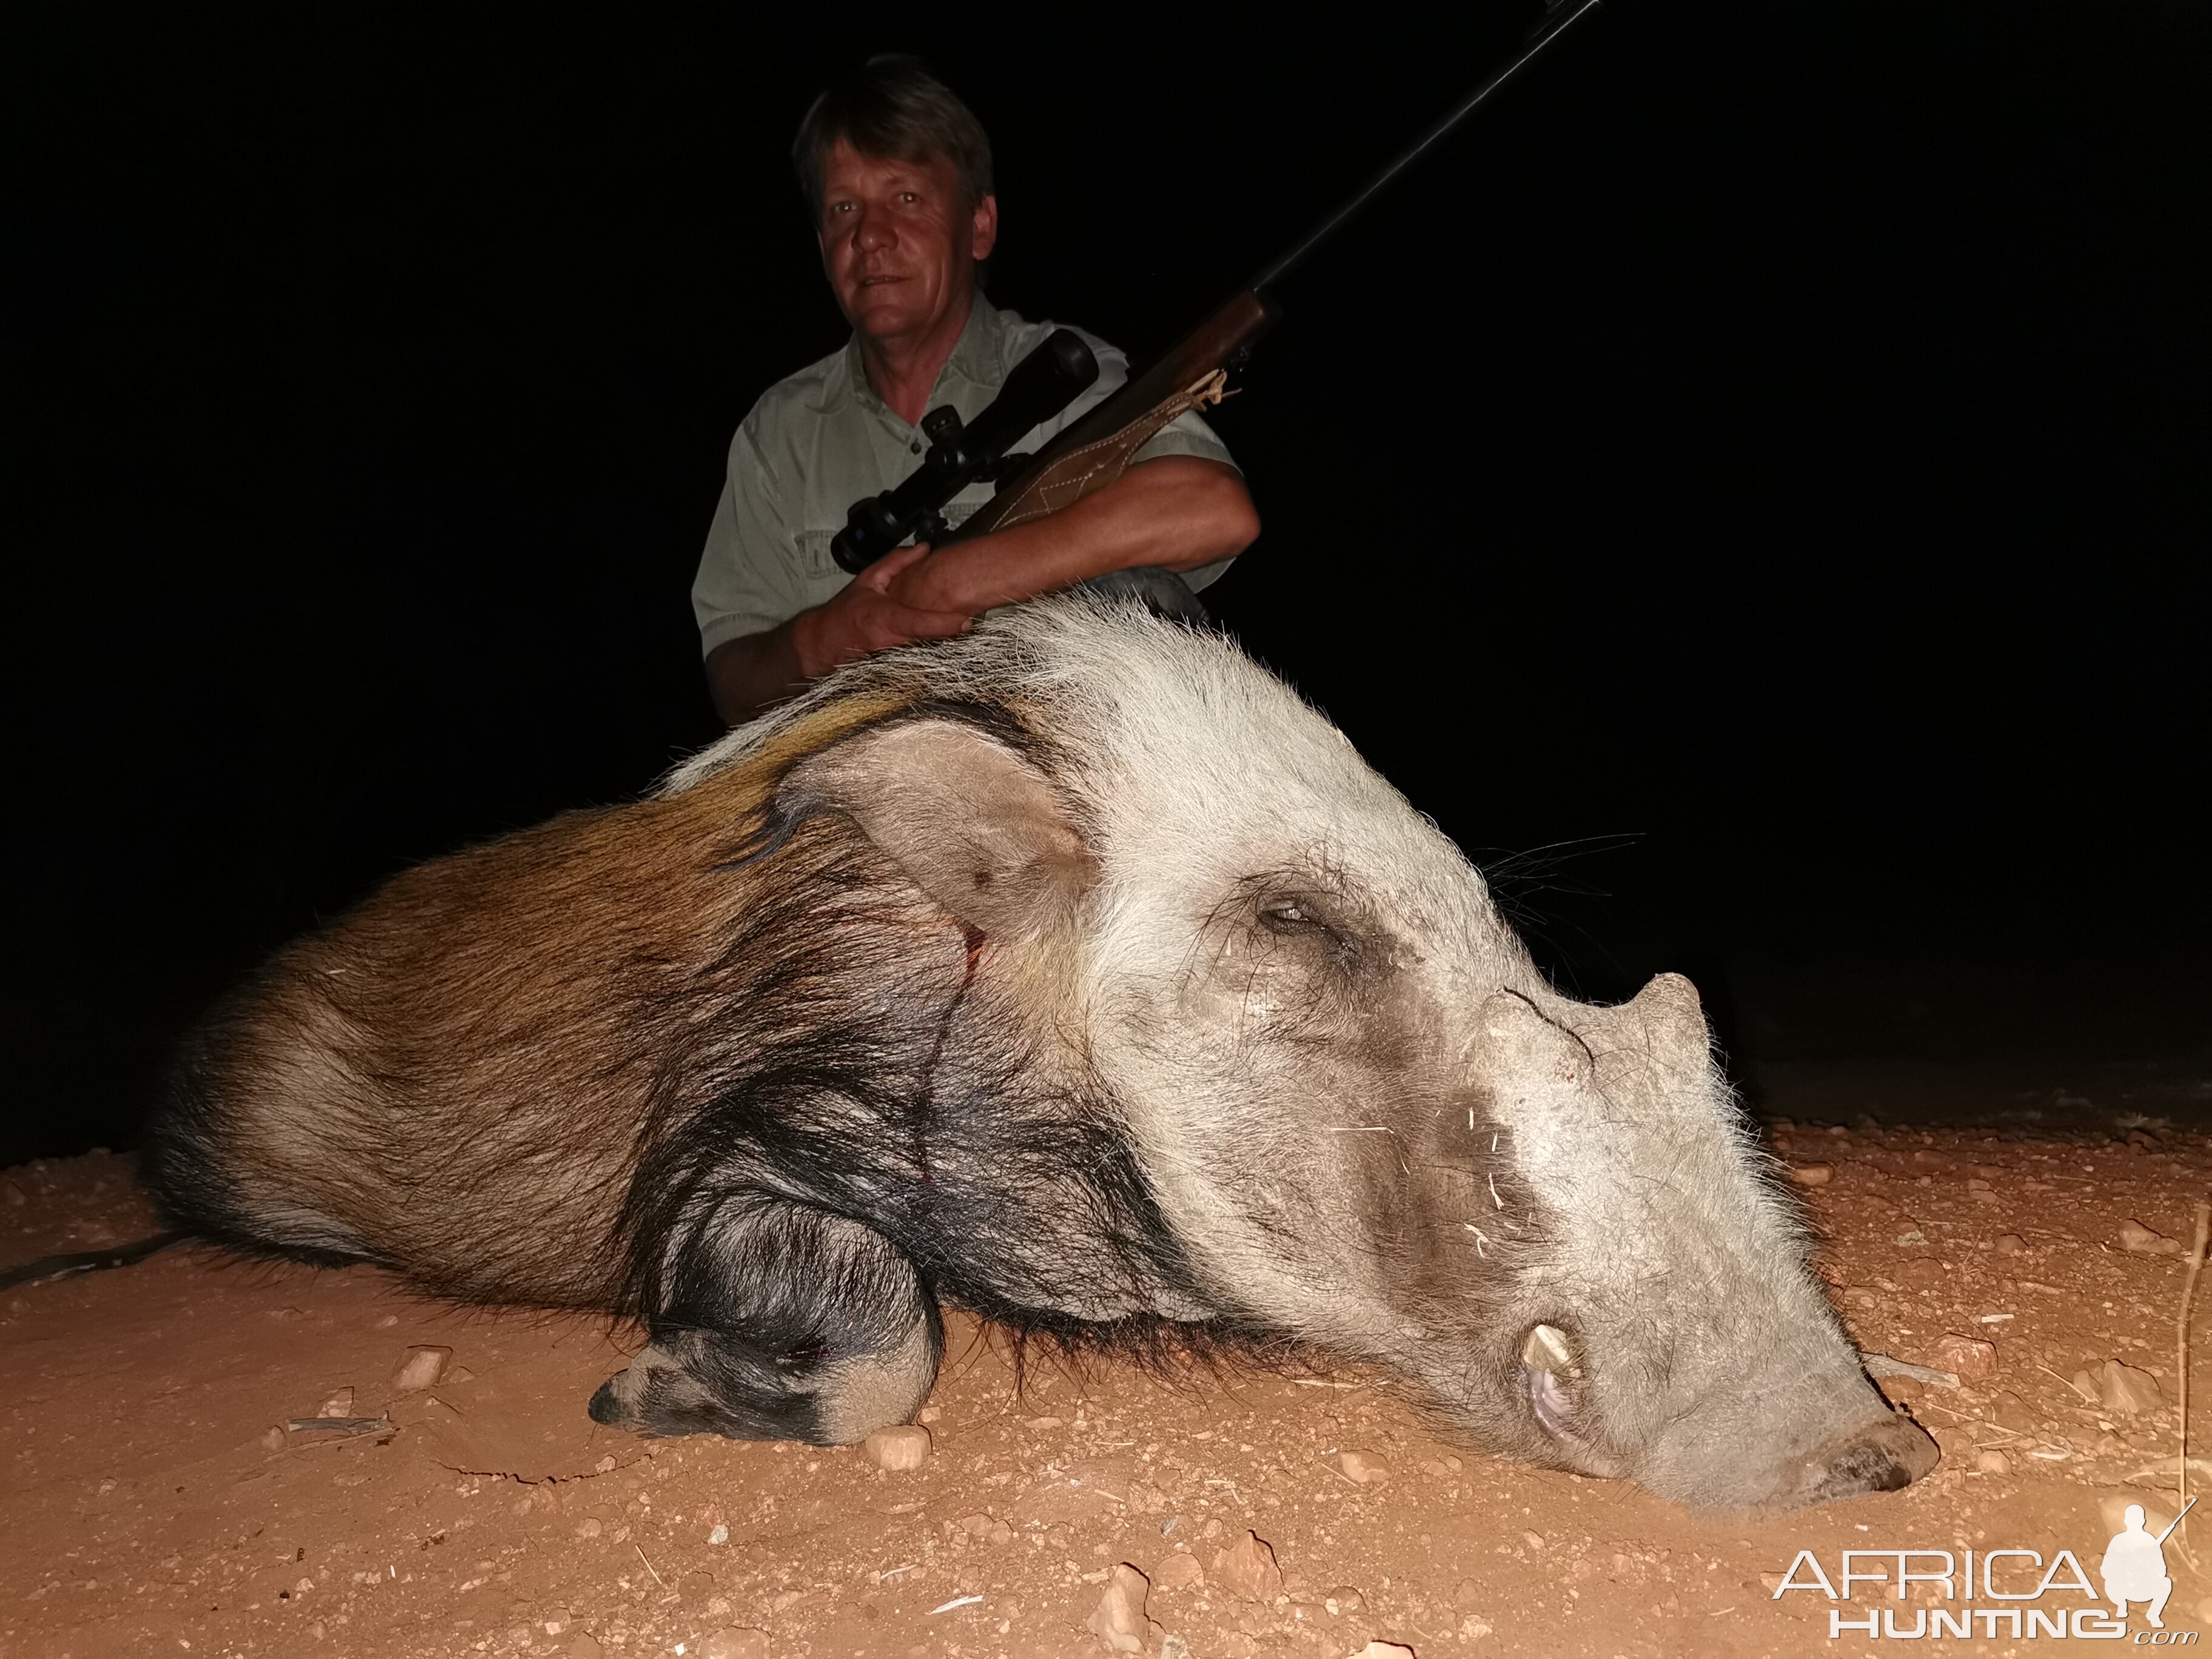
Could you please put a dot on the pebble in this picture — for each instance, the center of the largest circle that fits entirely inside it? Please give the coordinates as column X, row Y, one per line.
column 1813, row 1174
column 1119, row 1619
column 2124, row 1390
column 272, row 1440
column 2010, row 1244
column 898, row 1450
column 1966, row 1357
column 421, row 1368
column 1992, row 1463
column 591, row 1528
column 1364, row 1468
column 1247, row 1568
column 340, row 1404
column 721, row 1534
column 1466, row 1593
column 2134, row 1236
column 1343, row 1599
column 1179, row 1571
column 737, row 1642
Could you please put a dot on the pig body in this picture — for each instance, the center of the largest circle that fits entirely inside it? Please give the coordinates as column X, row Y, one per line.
column 1074, row 971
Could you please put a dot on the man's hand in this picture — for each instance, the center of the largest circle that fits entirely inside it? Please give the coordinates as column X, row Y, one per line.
column 745, row 676
column 1179, row 511
column 864, row 618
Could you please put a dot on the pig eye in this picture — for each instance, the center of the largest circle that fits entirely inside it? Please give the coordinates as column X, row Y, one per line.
column 1289, row 916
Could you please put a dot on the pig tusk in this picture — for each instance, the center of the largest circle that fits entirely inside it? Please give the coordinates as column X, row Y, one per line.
column 1546, row 1349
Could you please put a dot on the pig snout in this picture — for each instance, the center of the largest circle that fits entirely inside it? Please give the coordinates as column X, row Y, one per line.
column 1681, row 1340
column 1894, row 1452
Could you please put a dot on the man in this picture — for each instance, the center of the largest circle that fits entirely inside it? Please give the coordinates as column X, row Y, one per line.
column 2134, row 1568
column 898, row 173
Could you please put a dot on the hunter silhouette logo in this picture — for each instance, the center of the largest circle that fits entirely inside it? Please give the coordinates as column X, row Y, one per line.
column 2016, row 1581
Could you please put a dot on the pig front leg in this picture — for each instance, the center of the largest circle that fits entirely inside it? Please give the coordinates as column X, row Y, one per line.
column 781, row 1321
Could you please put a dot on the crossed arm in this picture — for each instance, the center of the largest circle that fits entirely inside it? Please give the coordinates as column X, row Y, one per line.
column 1179, row 511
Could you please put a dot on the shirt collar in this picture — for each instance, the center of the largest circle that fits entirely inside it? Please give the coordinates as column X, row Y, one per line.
column 974, row 358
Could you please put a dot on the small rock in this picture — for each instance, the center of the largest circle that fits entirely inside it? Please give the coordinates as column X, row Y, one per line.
column 581, row 1646
column 1992, row 1463
column 272, row 1440
column 1172, row 1646
column 2134, row 1236
column 1364, row 1468
column 1859, row 1297
column 1384, row 1650
column 2124, row 1390
column 1147, row 1499
column 721, row 1534
column 421, row 1368
column 1247, row 1568
column 1966, row 1357
column 2010, row 1244
column 1813, row 1174
column 898, row 1450
column 554, row 1620
column 737, row 1642
column 1119, row 1619
column 1466, row 1593
column 1042, row 1423
column 1344, row 1600
column 590, row 1529
column 975, row 1525
column 1178, row 1571
column 340, row 1404
column 928, row 1414
column 460, row 1374
column 1535, row 1540
column 1472, row 1629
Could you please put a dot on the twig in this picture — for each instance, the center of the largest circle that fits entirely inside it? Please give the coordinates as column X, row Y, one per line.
column 2087, row 1394
column 1881, row 1364
column 2181, row 1359
column 657, row 1579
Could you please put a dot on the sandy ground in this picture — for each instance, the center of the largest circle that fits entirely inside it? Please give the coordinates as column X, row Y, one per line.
column 155, row 1502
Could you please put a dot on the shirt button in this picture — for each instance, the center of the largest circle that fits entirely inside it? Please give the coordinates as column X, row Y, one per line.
column 916, row 447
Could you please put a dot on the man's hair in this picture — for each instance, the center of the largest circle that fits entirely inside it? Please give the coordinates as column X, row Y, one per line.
column 892, row 109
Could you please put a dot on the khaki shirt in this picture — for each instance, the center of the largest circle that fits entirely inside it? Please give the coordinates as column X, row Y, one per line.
column 819, row 441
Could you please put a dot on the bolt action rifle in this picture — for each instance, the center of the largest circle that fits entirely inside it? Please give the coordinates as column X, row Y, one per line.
column 1093, row 451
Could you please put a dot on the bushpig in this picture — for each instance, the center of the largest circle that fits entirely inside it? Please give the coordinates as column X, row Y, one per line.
column 1077, row 972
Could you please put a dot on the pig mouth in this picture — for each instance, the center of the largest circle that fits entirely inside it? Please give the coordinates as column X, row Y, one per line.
column 1555, row 1387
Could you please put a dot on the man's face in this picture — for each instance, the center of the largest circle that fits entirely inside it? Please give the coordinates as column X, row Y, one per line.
column 897, row 242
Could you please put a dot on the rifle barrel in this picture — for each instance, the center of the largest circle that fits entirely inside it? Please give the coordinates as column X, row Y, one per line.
column 1543, row 36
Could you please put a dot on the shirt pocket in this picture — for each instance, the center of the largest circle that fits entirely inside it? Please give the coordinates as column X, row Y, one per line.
column 816, row 562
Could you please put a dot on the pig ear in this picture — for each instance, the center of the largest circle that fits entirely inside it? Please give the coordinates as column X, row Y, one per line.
column 977, row 827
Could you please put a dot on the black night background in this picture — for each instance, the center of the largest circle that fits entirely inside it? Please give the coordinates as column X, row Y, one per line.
column 1749, row 486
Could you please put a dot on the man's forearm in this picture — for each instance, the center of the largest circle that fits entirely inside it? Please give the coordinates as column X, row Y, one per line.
column 747, row 674
column 1180, row 512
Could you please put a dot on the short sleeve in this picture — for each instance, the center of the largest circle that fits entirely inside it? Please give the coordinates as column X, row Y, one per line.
column 1186, row 435
column 747, row 574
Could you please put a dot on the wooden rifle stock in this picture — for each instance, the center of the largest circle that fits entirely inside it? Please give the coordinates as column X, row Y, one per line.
column 1093, row 451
